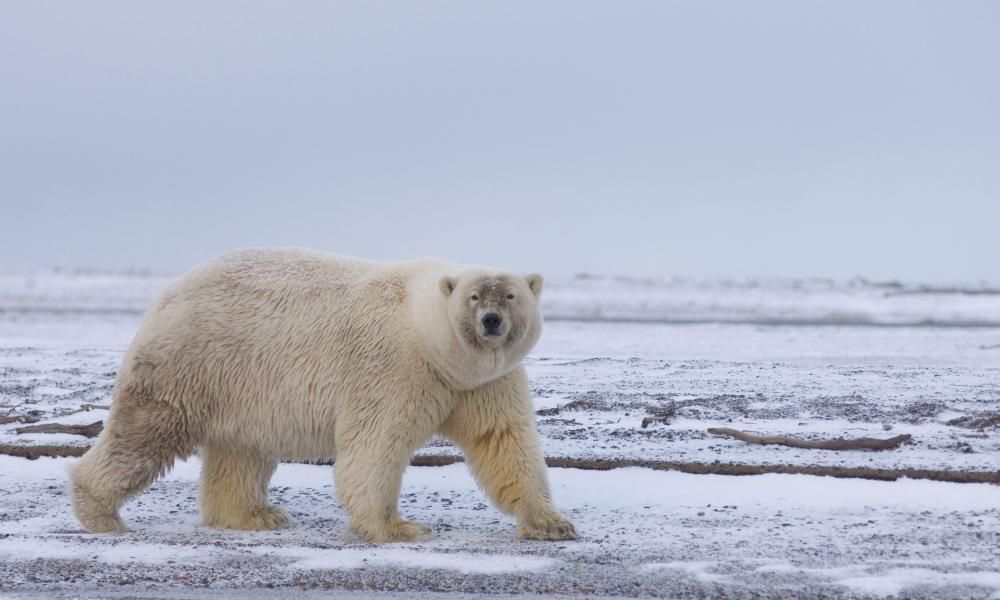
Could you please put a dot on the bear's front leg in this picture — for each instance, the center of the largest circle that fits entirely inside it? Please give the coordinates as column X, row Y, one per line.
column 368, row 475
column 495, row 427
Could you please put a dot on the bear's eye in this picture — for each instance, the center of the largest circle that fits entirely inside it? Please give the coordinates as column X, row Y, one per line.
column 510, row 296
column 475, row 297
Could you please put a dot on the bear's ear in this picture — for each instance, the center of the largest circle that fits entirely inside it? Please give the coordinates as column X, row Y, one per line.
column 535, row 283
column 448, row 285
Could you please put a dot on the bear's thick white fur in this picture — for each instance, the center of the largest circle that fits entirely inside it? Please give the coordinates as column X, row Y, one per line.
column 263, row 355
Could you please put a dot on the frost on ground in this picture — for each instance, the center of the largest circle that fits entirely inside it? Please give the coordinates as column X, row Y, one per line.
column 643, row 533
column 807, row 358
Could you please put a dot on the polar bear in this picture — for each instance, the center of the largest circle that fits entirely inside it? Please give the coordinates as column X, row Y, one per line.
column 271, row 354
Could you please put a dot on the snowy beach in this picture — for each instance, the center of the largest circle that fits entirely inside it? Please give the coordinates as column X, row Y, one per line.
column 627, row 370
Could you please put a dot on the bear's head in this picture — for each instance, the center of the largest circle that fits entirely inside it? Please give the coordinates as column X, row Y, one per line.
column 494, row 310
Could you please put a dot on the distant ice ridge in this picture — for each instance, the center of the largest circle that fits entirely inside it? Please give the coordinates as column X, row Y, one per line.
column 604, row 298
column 773, row 301
column 78, row 291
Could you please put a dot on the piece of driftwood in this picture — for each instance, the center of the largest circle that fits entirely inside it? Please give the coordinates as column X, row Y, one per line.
column 663, row 414
column 92, row 430
column 87, row 407
column 836, row 444
column 559, row 421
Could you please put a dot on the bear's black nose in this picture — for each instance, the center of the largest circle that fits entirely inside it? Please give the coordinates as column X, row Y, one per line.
column 491, row 321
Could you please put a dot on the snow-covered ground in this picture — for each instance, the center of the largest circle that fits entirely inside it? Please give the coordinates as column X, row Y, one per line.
column 809, row 358
column 642, row 533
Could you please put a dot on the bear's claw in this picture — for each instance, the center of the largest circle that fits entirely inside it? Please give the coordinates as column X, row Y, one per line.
column 552, row 527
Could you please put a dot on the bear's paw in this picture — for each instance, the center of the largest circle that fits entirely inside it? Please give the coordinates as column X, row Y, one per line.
column 264, row 518
column 106, row 524
column 547, row 527
column 397, row 531
column 270, row 517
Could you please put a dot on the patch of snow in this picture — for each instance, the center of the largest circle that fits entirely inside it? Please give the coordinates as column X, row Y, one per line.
column 871, row 579
column 700, row 570
column 464, row 562
column 21, row 550
column 895, row 581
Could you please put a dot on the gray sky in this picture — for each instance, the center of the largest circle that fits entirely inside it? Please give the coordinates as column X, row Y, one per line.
column 708, row 139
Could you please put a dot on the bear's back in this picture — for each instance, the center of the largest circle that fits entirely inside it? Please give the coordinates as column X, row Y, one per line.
column 278, row 270
column 239, row 333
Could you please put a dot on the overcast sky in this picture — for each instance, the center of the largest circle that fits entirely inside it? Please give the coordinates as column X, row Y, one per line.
column 705, row 139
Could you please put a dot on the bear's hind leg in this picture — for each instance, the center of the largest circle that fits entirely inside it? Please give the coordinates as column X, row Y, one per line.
column 234, row 489
column 139, row 444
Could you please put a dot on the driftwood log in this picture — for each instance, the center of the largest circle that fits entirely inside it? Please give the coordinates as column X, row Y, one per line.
column 836, row 444
column 992, row 477
column 92, row 430
column 47, row 451
column 28, row 418
column 980, row 421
